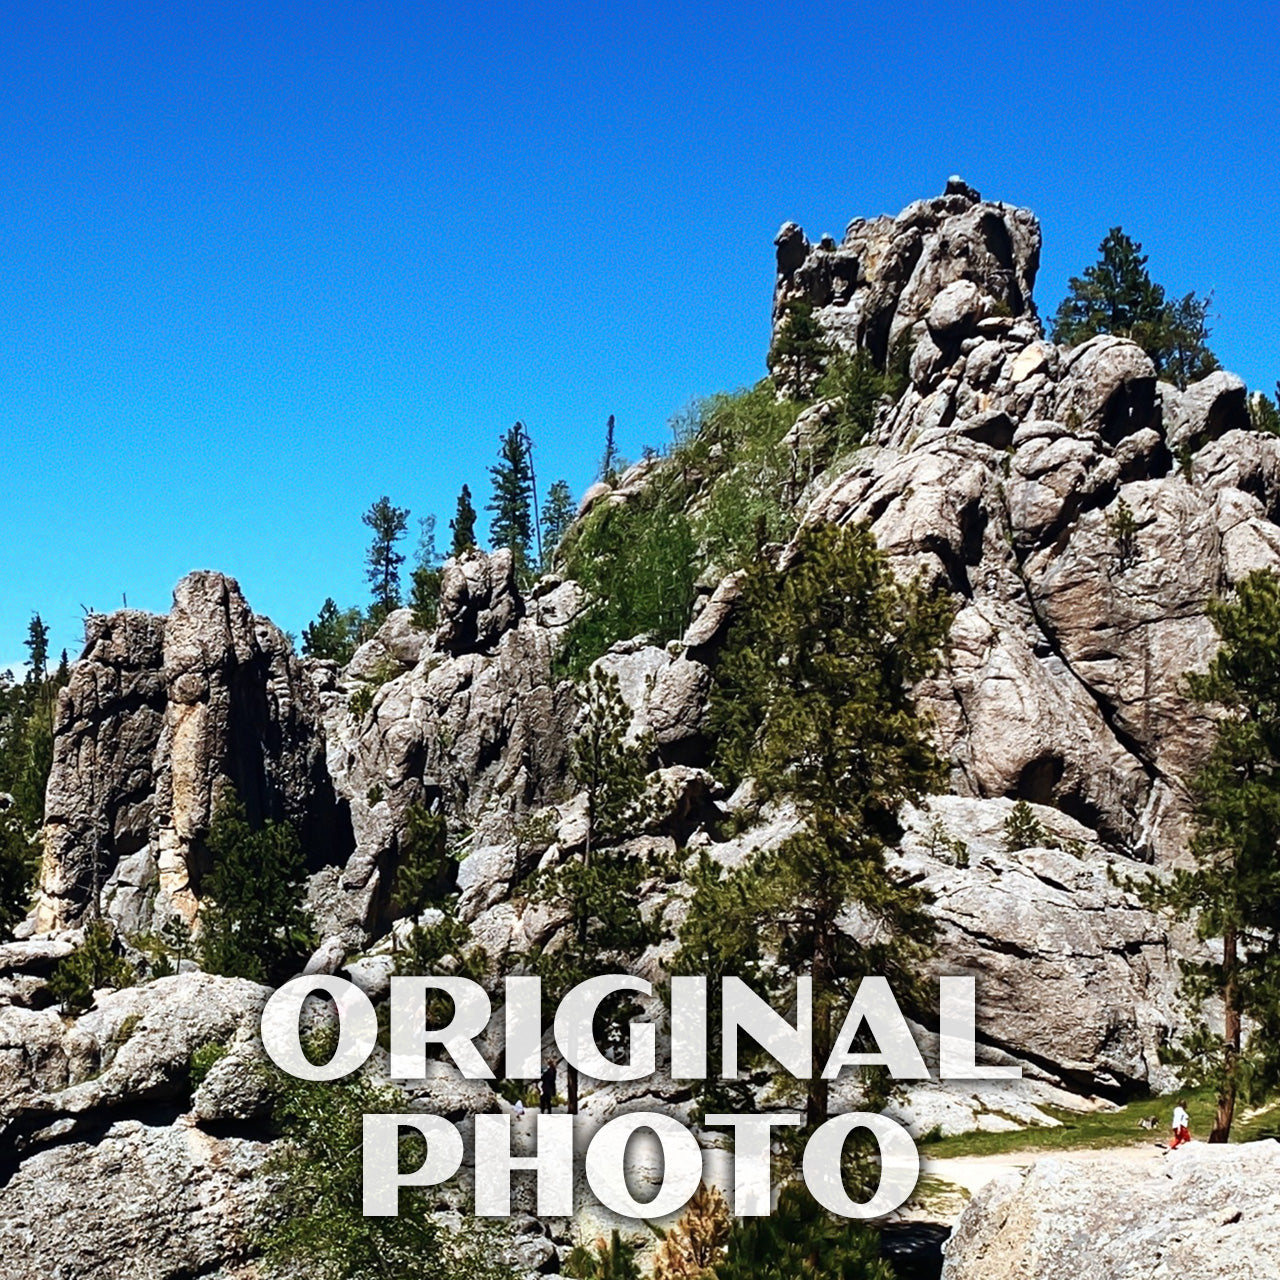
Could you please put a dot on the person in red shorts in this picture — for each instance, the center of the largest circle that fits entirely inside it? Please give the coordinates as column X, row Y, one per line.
column 1180, row 1126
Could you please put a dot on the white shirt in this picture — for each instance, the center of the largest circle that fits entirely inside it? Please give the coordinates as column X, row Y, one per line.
column 1180, row 1118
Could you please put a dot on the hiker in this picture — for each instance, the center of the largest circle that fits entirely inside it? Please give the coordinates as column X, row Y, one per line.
column 548, row 1085
column 518, row 1109
column 1181, row 1126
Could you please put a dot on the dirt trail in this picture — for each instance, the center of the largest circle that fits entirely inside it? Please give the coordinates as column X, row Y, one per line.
column 974, row 1172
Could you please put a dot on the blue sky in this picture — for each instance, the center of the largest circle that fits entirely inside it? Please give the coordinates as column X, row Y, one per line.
column 260, row 264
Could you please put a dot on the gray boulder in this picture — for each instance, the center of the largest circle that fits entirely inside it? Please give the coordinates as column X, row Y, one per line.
column 1202, row 1212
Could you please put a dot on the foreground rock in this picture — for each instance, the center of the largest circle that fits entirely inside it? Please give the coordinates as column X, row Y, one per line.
column 144, row 1202
column 1201, row 1213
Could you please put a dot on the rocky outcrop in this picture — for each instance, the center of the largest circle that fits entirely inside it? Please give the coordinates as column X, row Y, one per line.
column 162, row 718
column 1206, row 1212
column 1053, row 495
column 955, row 260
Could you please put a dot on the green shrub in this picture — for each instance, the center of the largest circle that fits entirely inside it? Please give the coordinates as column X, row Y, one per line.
column 1023, row 830
column 93, row 965
column 637, row 561
column 318, row 1228
column 204, row 1058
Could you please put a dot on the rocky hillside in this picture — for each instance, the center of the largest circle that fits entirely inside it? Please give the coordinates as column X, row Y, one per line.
column 1080, row 514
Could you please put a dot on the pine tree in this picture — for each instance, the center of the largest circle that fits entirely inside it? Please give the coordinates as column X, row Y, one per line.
column 383, row 572
column 333, row 634
column 1232, row 892
column 37, row 643
column 317, row 1228
column 424, row 595
column 608, row 1260
column 813, row 702
column 512, row 523
column 463, row 525
column 93, row 965
column 1117, row 295
column 252, row 920
column 17, row 868
column 609, row 463
column 694, row 1246
column 557, row 516
column 422, row 872
column 599, row 891
column 800, row 351
column 1186, row 357
column 1264, row 414
column 801, row 1241
column 604, row 764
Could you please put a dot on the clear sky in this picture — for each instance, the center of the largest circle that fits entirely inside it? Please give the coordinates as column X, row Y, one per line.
column 262, row 263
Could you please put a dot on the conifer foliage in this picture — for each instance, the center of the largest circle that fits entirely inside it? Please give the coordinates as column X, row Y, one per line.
column 599, row 890
column 1117, row 295
column 694, row 1246
column 1232, row 892
column 801, row 1241
column 813, row 702
column 252, row 921
column 388, row 523
column 512, row 523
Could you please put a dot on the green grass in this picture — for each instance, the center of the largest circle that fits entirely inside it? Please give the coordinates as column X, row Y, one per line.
column 1108, row 1129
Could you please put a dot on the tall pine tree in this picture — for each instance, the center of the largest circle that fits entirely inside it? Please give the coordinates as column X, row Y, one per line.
column 1117, row 295
column 463, row 525
column 813, row 702
column 1232, row 892
column 388, row 523
column 599, row 890
column 512, row 523
column 557, row 516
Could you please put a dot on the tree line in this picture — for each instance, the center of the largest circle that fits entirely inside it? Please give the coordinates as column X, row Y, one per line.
column 530, row 530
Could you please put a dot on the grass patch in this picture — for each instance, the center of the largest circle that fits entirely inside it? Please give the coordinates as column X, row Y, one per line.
column 1120, row 1128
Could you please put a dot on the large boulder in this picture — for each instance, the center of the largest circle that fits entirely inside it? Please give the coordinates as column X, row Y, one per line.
column 1202, row 1212
column 164, row 1202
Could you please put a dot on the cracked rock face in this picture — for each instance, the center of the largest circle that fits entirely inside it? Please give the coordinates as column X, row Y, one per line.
column 161, row 717
column 1051, row 493
column 956, row 260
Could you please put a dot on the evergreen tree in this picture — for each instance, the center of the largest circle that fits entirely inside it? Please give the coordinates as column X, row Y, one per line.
column 383, row 560
column 695, row 1245
column 801, row 1241
column 599, row 890
column 463, row 525
column 91, row 966
column 1264, row 414
column 608, row 1260
column 800, row 351
column 604, row 764
column 557, row 516
column 813, row 702
column 512, row 523
column 423, row 869
column 1232, row 892
column 333, row 635
column 316, row 1175
column 37, row 643
column 1185, row 354
column 252, row 920
column 1117, row 295
column 17, row 869
column 609, row 463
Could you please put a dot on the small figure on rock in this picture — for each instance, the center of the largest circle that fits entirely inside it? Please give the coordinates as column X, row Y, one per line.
column 1181, row 1126
column 548, row 1085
